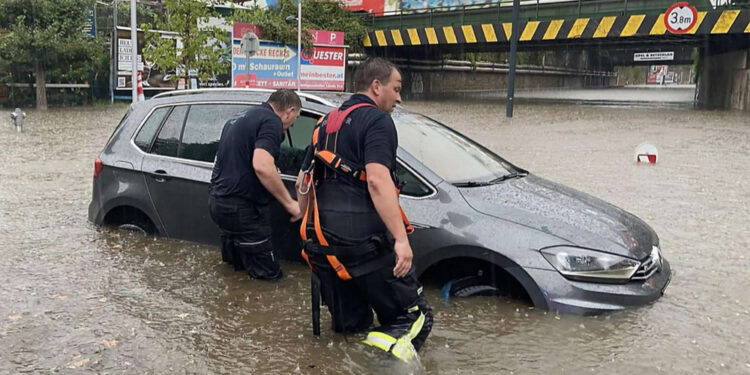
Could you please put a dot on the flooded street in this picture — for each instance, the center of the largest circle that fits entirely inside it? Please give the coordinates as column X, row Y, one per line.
column 76, row 298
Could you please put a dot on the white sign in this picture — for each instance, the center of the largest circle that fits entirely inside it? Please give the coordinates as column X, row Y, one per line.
column 125, row 56
column 653, row 56
column 267, row 52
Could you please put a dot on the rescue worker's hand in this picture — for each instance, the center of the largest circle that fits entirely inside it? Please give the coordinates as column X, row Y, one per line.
column 294, row 211
column 403, row 258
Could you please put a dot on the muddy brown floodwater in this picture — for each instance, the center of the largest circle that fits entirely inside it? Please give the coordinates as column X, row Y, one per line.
column 76, row 298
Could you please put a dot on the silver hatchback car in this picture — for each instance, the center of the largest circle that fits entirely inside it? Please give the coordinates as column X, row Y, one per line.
column 483, row 225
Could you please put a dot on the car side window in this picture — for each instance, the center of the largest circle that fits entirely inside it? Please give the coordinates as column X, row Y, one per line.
column 291, row 157
column 410, row 184
column 302, row 130
column 203, row 126
column 168, row 141
column 149, row 128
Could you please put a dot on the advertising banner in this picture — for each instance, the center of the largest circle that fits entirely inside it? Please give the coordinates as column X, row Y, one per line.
column 275, row 64
column 323, row 69
column 154, row 78
column 369, row 6
column 653, row 56
column 657, row 74
column 273, row 67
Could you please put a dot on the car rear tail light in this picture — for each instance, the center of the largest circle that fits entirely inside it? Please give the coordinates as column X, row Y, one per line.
column 98, row 166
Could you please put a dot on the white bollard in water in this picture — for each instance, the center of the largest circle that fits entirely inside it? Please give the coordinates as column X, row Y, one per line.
column 646, row 153
column 17, row 116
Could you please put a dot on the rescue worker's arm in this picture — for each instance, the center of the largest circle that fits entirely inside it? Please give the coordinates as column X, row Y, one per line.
column 383, row 193
column 265, row 169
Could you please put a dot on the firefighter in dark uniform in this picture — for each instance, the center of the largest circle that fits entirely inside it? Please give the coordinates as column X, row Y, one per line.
column 354, row 230
column 244, row 180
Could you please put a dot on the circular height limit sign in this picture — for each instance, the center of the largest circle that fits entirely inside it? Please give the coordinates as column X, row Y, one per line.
column 680, row 18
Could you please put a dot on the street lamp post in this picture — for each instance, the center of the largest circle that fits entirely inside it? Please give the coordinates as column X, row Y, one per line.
column 299, row 43
column 134, row 47
column 291, row 19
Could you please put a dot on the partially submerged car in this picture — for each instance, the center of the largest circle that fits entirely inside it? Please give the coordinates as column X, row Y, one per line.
column 483, row 225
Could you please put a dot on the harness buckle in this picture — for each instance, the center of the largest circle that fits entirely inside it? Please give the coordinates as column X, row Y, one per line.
column 306, row 182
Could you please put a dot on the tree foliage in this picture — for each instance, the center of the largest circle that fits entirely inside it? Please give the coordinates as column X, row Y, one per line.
column 316, row 14
column 203, row 49
column 45, row 39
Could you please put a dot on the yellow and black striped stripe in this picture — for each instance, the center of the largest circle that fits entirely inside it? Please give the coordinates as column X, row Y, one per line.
column 638, row 25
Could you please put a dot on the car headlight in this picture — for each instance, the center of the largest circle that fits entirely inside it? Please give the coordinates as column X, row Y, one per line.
column 590, row 265
column 656, row 255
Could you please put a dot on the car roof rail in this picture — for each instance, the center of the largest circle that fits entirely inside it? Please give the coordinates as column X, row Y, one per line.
column 303, row 95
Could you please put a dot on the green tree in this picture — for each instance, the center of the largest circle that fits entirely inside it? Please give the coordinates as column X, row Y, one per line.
column 203, row 48
column 37, row 37
column 316, row 14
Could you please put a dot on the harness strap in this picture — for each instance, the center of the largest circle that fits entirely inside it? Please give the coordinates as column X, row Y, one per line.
column 331, row 160
column 341, row 165
column 336, row 117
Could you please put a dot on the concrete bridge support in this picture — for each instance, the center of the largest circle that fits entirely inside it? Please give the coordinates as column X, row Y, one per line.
column 724, row 81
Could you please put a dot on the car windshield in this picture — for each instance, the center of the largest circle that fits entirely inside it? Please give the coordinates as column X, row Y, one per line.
column 449, row 154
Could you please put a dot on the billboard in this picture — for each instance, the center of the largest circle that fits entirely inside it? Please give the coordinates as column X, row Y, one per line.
column 154, row 78
column 273, row 67
column 323, row 69
column 657, row 74
column 275, row 64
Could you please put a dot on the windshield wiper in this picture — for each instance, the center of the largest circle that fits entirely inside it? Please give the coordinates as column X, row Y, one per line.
column 508, row 177
column 469, row 184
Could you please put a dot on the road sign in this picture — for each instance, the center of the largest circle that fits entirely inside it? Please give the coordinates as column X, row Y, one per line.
column 680, row 18
column 250, row 44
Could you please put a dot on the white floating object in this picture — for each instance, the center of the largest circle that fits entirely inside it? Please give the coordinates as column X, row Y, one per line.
column 646, row 153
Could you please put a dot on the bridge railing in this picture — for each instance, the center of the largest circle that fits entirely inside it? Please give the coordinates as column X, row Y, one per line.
column 530, row 10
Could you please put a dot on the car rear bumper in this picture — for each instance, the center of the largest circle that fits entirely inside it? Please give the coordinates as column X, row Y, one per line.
column 95, row 207
column 586, row 298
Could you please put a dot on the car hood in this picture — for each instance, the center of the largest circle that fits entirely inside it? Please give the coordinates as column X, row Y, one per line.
column 573, row 216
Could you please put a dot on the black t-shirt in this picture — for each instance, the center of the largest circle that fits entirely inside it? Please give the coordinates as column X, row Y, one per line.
column 233, row 174
column 367, row 135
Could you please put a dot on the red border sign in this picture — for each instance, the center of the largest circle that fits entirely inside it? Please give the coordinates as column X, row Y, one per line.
column 674, row 7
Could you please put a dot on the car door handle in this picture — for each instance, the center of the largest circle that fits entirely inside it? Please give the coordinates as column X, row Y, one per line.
column 160, row 175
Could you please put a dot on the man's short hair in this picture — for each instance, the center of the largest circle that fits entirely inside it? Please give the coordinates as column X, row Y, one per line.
column 373, row 68
column 283, row 99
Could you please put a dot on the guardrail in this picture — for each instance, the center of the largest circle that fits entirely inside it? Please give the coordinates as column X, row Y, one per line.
column 531, row 10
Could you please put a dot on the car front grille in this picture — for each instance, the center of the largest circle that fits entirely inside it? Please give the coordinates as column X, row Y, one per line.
column 648, row 268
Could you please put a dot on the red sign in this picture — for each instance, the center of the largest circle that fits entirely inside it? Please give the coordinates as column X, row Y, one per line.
column 324, row 56
column 327, row 37
column 369, row 6
column 240, row 29
column 323, row 68
column 680, row 18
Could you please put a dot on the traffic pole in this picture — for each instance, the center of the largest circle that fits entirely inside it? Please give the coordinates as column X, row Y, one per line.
column 512, row 70
column 134, row 47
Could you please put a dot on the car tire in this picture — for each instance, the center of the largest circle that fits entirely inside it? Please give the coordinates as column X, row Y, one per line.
column 136, row 224
column 470, row 286
column 134, row 228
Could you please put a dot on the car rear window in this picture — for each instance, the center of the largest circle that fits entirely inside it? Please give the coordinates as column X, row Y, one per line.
column 149, row 128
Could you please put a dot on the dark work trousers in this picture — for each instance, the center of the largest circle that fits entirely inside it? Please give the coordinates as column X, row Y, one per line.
column 246, row 236
column 396, row 301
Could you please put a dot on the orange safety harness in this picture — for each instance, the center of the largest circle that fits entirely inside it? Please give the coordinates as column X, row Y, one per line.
column 330, row 160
